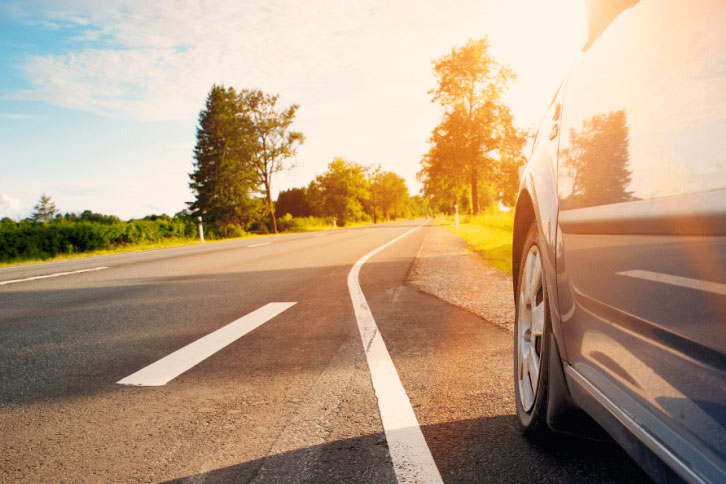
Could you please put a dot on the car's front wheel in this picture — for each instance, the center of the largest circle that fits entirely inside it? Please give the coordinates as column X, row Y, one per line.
column 532, row 329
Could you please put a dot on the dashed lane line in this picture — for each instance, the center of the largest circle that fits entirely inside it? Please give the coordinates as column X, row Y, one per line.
column 166, row 369
column 57, row 274
column 411, row 456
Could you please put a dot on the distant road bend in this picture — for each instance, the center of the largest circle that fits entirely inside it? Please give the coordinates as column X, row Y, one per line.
column 293, row 358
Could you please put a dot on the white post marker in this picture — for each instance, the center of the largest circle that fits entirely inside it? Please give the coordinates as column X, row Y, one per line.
column 166, row 369
column 411, row 456
column 201, row 230
column 456, row 215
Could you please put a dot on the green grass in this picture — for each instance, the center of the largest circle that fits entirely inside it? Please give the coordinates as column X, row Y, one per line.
column 489, row 234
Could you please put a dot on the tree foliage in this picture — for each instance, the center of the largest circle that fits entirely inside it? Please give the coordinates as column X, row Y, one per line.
column 242, row 140
column 476, row 148
column 268, row 140
column 340, row 192
column 222, row 179
column 294, row 202
column 388, row 196
column 44, row 210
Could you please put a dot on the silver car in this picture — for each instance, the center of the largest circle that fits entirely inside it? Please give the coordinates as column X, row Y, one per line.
column 619, row 253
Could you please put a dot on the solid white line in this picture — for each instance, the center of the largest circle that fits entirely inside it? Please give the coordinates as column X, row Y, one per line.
column 708, row 286
column 57, row 274
column 411, row 456
column 258, row 245
column 176, row 363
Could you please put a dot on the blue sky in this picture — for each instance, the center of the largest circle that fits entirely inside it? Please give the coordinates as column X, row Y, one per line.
column 99, row 100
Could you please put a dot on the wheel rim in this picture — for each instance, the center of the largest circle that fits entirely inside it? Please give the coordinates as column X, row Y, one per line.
column 530, row 326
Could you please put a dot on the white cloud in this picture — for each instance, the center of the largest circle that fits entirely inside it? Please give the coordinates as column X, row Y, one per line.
column 359, row 70
column 10, row 207
column 160, row 58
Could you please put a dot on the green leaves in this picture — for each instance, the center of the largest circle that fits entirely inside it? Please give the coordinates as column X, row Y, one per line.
column 243, row 138
column 44, row 210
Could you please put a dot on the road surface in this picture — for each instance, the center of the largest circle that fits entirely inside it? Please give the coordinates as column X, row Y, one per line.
column 256, row 361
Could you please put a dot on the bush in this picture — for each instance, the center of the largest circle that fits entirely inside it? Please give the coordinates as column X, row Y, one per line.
column 75, row 234
column 288, row 223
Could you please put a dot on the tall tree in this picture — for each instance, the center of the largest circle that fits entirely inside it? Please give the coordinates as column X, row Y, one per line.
column 222, row 179
column 44, row 210
column 476, row 131
column 269, row 142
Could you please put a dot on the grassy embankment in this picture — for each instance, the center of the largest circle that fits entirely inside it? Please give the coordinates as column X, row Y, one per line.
column 489, row 234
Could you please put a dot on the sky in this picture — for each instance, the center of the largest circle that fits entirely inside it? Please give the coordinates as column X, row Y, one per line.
column 99, row 100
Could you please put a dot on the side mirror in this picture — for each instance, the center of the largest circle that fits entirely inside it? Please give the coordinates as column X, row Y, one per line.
column 600, row 14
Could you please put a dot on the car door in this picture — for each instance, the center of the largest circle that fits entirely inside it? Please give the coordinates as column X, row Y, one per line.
column 642, row 225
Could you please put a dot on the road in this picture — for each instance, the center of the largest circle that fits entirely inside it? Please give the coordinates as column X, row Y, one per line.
column 290, row 393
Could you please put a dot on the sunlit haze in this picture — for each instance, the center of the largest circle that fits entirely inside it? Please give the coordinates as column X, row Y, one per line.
column 100, row 99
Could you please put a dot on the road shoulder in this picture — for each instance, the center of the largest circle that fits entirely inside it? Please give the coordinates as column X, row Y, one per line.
column 445, row 268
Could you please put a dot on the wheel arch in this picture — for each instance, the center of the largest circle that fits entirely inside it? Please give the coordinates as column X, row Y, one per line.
column 524, row 216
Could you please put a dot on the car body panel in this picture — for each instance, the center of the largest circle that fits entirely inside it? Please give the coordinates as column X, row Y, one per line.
column 538, row 183
column 638, row 244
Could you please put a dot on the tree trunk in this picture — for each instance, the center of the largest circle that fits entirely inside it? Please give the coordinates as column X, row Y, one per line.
column 271, row 208
column 474, row 191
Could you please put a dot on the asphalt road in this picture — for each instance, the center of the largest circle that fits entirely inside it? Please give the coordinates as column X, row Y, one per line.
column 290, row 401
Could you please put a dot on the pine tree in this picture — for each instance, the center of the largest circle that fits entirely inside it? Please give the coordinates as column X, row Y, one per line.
column 222, row 179
column 44, row 210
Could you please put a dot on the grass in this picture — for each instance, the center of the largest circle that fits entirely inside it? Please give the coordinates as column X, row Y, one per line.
column 488, row 234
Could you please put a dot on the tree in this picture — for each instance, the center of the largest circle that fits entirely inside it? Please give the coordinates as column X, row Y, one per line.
column 222, row 178
column 389, row 195
column 268, row 140
column 293, row 201
column 44, row 210
column 474, row 142
column 340, row 192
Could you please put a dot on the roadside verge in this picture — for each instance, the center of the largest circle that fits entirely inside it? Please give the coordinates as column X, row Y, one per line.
column 446, row 269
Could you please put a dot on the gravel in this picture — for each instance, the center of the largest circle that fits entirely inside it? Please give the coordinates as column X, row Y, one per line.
column 446, row 269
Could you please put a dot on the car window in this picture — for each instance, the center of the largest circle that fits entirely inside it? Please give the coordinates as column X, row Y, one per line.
column 644, row 108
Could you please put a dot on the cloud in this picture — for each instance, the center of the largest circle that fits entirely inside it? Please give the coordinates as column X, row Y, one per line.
column 155, row 61
column 10, row 207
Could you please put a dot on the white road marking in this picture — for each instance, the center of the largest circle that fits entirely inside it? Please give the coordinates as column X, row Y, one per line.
column 166, row 369
column 708, row 286
column 320, row 235
column 57, row 274
column 259, row 245
column 411, row 456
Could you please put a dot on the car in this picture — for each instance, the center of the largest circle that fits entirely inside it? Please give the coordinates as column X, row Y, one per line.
column 619, row 245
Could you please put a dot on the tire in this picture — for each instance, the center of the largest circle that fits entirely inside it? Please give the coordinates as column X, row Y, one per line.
column 532, row 333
